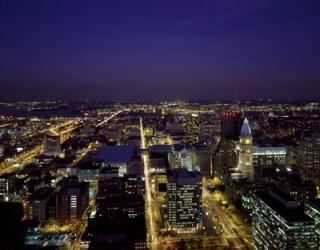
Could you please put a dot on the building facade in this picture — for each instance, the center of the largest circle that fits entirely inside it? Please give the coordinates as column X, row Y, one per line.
column 52, row 145
column 312, row 208
column 279, row 222
column 184, row 201
column 308, row 158
column 71, row 200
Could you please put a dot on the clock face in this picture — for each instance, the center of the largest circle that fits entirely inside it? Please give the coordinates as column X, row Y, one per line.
column 248, row 141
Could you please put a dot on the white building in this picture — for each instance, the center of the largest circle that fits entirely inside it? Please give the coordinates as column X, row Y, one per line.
column 181, row 157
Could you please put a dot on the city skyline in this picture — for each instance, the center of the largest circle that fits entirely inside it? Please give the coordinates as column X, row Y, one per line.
column 159, row 125
column 151, row 50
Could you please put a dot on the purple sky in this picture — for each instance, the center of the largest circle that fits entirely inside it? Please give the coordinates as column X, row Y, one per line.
column 110, row 49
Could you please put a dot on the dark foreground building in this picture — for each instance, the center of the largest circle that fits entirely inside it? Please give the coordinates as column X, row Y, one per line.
column 279, row 222
column 12, row 229
column 118, row 221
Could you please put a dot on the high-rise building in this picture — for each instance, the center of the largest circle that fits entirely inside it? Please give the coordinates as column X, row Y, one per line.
column 52, row 145
column 39, row 208
column 121, row 196
column 279, row 222
column 224, row 158
column 245, row 162
column 118, row 221
column 71, row 200
column 7, row 186
column 312, row 208
column 308, row 158
column 184, row 200
column 203, row 159
column 181, row 157
column 230, row 125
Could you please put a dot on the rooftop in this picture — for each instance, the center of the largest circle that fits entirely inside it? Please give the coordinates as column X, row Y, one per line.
column 314, row 202
column 42, row 193
column 115, row 154
column 284, row 205
column 183, row 176
column 269, row 150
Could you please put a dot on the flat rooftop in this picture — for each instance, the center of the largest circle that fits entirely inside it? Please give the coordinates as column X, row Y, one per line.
column 183, row 176
column 42, row 194
column 115, row 154
column 284, row 205
column 314, row 202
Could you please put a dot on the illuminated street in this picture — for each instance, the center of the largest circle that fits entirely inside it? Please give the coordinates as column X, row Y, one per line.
column 232, row 232
column 152, row 240
column 65, row 130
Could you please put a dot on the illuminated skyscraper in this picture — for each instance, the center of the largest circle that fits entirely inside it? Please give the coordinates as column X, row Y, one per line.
column 312, row 208
column 184, row 200
column 308, row 158
column 279, row 222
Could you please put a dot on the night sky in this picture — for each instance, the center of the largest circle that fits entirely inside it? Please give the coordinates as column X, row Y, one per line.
column 114, row 49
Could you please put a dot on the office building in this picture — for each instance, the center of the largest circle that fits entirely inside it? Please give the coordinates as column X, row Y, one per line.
column 312, row 209
column 268, row 156
column 184, row 201
column 181, row 157
column 71, row 200
column 224, row 158
column 279, row 222
column 158, row 161
column 52, row 145
column 230, row 125
column 308, row 158
column 203, row 159
column 7, row 186
column 41, row 204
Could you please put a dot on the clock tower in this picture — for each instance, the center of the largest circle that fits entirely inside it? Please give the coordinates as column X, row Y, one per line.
column 245, row 153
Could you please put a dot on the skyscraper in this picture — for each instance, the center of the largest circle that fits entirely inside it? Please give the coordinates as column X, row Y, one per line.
column 245, row 164
column 230, row 125
column 308, row 158
column 279, row 222
column 312, row 208
column 181, row 156
column 184, row 200
column 71, row 200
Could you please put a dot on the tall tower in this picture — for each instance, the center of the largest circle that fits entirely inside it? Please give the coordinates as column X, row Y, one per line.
column 230, row 125
column 245, row 154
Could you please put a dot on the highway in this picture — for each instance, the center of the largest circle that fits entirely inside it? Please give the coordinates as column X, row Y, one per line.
column 110, row 117
column 27, row 157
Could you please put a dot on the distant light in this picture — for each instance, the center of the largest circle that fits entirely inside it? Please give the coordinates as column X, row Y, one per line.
column 19, row 149
column 289, row 169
